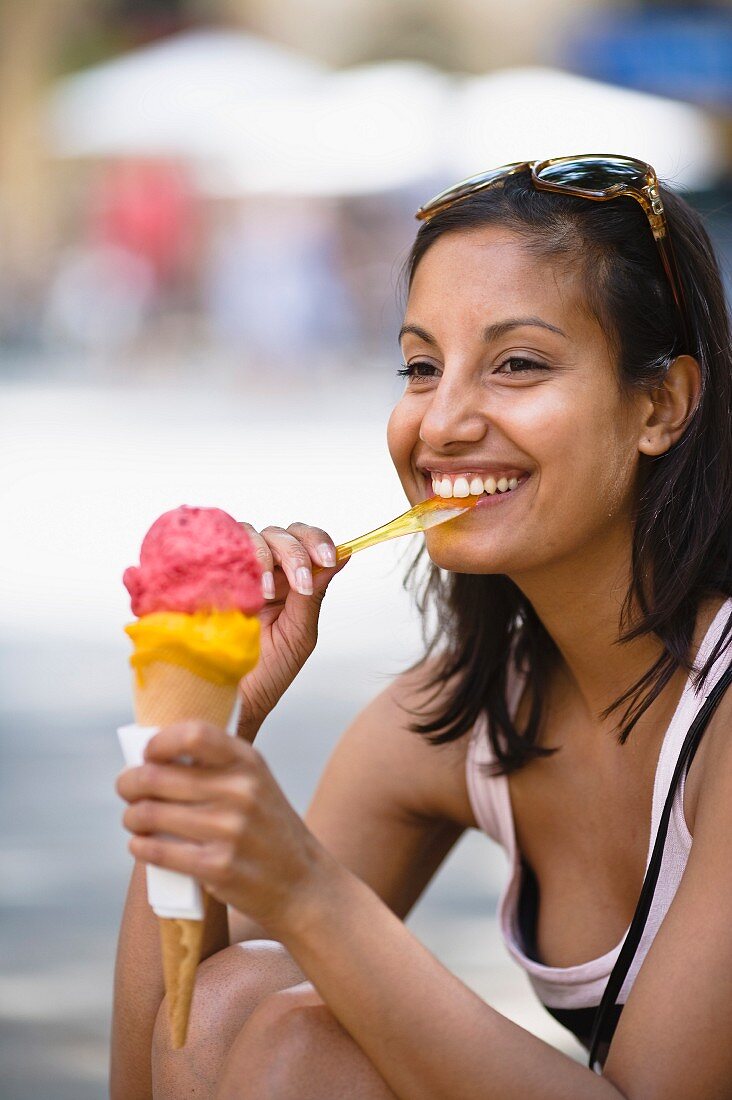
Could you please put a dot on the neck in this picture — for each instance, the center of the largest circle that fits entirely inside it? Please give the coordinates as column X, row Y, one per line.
column 579, row 603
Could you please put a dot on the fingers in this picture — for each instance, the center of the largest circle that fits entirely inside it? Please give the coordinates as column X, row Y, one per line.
column 293, row 559
column 317, row 542
column 209, row 862
column 210, row 799
column 173, row 783
column 190, row 822
column 294, row 551
column 264, row 557
column 322, row 551
column 200, row 742
column 222, row 767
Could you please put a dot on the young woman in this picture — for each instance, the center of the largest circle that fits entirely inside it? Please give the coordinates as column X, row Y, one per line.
column 567, row 354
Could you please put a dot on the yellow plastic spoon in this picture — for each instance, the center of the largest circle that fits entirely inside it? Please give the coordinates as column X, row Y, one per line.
column 426, row 514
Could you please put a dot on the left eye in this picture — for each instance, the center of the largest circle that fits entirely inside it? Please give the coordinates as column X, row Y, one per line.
column 519, row 364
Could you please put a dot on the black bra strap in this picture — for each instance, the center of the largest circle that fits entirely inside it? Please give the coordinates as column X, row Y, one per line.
column 630, row 944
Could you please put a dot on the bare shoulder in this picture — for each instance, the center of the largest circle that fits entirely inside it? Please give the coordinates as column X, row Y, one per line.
column 715, row 750
column 659, row 1050
column 420, row 780
column 713, row 760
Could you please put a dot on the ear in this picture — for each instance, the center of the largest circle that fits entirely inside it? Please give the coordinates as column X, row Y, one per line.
column 669, row 407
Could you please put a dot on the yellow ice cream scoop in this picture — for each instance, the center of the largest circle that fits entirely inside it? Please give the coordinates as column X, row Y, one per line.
column 219, row 646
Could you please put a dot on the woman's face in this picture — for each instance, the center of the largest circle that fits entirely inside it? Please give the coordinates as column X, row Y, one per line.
column 512, row 378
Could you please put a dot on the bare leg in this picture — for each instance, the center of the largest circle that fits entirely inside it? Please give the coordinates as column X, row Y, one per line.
column 229, row 986
column 293, row 1048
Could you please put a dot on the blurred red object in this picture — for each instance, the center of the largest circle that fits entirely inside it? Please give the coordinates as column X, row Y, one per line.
column 147, row 208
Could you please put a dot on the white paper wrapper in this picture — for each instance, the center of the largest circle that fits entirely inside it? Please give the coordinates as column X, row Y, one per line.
column 170, row 893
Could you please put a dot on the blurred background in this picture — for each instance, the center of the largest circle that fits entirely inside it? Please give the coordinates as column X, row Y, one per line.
column 204, row 208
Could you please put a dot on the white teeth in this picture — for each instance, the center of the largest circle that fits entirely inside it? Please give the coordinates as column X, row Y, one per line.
column 461, row 487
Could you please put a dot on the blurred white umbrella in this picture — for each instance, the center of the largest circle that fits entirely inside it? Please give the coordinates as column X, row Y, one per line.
column 538, row 113
column 172, row 98
column 392, row 124
column 252, row 118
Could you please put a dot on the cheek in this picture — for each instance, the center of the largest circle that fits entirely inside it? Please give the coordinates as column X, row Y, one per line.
column 401, row 435
column 594, row 463
column 620, row 481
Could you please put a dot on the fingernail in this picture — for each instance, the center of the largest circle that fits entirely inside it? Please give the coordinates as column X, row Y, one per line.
column 304, row 581
column 326, row 554
column 268, row 587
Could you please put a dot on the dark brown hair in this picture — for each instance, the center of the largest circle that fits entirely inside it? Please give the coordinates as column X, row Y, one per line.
column 682, row 533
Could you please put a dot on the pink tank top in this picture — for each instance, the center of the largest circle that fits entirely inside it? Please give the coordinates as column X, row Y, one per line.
column 572, row 990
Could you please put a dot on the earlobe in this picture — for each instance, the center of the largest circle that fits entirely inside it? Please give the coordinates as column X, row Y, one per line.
column 672, row 406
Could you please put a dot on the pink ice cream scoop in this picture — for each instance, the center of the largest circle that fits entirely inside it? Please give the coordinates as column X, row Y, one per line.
column 195, row 559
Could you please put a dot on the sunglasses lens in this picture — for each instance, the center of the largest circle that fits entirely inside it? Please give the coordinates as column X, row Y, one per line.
column 594, row 173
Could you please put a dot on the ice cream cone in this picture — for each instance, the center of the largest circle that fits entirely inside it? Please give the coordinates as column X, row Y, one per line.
column 196, row 593
column 169, row 693
column 181, row 942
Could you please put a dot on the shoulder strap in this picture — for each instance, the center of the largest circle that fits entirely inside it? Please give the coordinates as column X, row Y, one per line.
column 630, row 945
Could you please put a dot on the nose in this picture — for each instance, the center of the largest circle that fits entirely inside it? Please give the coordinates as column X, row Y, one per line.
column 453, row 416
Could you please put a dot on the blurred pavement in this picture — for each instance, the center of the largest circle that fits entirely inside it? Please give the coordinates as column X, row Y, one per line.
column 86, row 469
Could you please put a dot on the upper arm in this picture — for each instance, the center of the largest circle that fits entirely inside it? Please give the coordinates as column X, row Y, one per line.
column 672, row 1040
column 388, row 803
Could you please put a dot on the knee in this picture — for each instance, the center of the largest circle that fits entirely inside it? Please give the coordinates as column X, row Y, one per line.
column 229, row 987
column 292, row 1020
column 282, row 1038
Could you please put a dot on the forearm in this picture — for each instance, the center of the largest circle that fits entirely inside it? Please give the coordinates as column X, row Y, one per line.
column 243, row 928
column 419, row 1025
column 139, row 988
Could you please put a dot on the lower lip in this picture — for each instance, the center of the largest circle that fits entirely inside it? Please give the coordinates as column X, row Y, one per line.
column 490, row 500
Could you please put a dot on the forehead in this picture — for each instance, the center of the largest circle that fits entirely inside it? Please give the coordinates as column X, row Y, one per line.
column 488, row 273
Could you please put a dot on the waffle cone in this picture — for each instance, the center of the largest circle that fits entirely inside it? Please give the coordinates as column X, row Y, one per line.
column 173, row 694
column 181, row 942
column 170, row 693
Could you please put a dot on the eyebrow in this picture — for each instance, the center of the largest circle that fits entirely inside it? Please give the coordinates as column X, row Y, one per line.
column 490, row 332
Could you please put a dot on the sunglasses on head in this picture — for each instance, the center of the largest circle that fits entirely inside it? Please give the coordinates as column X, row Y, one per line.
column 597, row 177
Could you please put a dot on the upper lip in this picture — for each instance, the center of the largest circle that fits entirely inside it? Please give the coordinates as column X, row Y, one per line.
column 490, row 468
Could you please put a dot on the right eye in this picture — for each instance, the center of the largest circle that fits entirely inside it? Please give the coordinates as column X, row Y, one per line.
column 418, row 369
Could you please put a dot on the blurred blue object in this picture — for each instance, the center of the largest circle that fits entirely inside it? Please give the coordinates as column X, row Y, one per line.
column 683, row 52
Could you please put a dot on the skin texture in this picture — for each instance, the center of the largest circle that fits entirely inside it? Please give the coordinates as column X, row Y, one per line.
column 378, row 1009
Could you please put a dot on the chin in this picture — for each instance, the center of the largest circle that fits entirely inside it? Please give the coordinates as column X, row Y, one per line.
column 458, row 556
